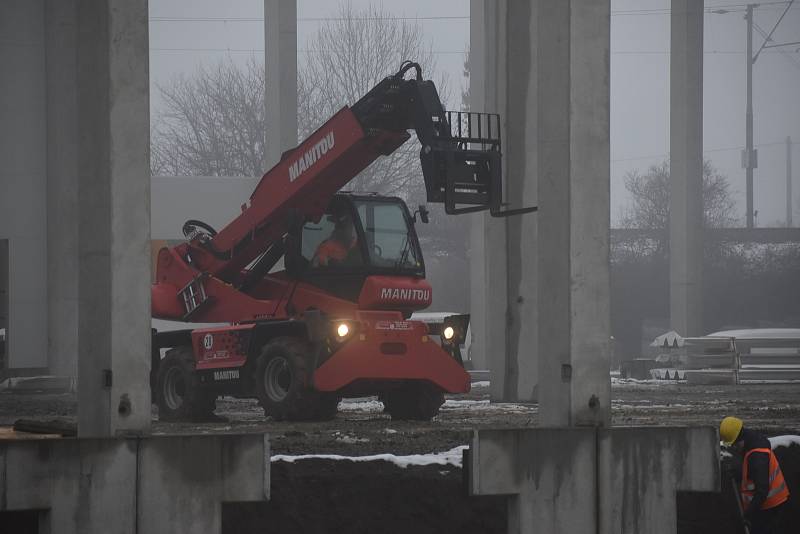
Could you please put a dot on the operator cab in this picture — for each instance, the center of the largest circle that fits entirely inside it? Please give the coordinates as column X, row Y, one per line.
column 358, row 236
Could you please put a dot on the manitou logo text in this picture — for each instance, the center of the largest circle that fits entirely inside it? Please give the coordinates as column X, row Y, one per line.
column 310, row 157
column 395, row 293
column 230, row 374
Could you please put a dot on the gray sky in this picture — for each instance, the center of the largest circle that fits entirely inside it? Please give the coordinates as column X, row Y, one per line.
column 639, row 76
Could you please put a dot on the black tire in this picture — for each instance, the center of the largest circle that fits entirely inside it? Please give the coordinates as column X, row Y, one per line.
column 282, row 384
column 417, row 401
column 178, row 393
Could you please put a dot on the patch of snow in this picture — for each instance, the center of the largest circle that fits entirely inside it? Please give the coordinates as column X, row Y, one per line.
column 784, row 441
column 649, row 381
column 648, row 406
column 451, row 457
column 486, row 405
column 347, row 438
column 460, row 403
column 365, row 405
column 390, row 431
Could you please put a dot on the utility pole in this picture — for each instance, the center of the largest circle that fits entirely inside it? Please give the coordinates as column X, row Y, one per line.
column 788, row 182
column 749, row 158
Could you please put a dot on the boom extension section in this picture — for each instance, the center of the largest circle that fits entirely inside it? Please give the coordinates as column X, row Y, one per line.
column 460, row 153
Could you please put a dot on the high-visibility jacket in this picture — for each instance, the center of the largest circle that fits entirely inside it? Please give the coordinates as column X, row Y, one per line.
column 333, row 249
column 778, row 491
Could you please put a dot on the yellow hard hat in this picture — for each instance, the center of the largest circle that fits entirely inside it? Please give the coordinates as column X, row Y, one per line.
column 729, row 430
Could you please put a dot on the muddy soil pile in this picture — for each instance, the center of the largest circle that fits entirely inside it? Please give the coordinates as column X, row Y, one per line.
column 321, row 496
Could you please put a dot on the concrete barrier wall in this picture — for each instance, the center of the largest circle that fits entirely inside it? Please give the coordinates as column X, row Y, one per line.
column 641, row 469
column 593, row 480
column 139, row 485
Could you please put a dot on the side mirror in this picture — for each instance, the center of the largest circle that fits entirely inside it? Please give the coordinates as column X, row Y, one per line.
column 423, row 212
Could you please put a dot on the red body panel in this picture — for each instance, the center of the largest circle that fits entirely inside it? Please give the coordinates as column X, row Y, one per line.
column 304, row 181
column 220, row 348
column 373, row 353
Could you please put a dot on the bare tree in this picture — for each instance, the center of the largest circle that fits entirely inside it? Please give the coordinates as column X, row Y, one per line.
column 649, row 209
column 650, row 194
column 350, row 54
column 213, row 123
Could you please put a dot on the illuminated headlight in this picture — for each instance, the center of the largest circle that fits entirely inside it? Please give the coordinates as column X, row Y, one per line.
column 448, row 333
column 342, row 330
column 454, row 330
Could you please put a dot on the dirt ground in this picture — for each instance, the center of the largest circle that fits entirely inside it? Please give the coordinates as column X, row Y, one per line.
column 321, row 496
column 361, row 427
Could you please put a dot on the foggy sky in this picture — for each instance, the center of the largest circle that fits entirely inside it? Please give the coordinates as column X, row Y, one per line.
column 639, row 77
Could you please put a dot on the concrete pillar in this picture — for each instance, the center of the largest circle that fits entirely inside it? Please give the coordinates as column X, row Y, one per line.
column 686, row 165
column 573, row 217
column 503, row 251
column 62, row 189
column 23, row 178
column 114, row 217
column 280, row 58
column 488, row 236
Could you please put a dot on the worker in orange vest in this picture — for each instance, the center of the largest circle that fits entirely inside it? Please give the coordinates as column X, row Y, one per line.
column 341, row 247
column 762, row 488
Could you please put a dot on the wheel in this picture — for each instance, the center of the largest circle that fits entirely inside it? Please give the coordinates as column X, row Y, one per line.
column 282, row 384
column 178, row 392
column 416, row 401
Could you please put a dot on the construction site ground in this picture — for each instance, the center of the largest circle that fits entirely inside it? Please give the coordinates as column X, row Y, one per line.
column 329, row 495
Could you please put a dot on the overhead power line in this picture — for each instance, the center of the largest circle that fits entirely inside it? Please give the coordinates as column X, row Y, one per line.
column 707, row 151
column 456, row 52
column 454, row 18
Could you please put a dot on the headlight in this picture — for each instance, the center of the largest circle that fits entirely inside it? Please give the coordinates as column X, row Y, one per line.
column 448, row 333
column 342, row 330
column 454, row 329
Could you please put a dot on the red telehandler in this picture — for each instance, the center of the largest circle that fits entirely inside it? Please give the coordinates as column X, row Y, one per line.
column 334, row 322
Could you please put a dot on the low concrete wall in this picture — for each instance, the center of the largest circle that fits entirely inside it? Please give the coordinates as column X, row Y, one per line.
column 588, row 480
column 148, row 485
column 641, row 469
column 549, row 471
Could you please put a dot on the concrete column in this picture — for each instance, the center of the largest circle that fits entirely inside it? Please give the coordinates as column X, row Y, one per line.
column 280, row 58
column 62, row 189
column 686, row 164
column 503, row 251
column 23, row 213
column 573, row 145
column 488, row 236
column 114, row 217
